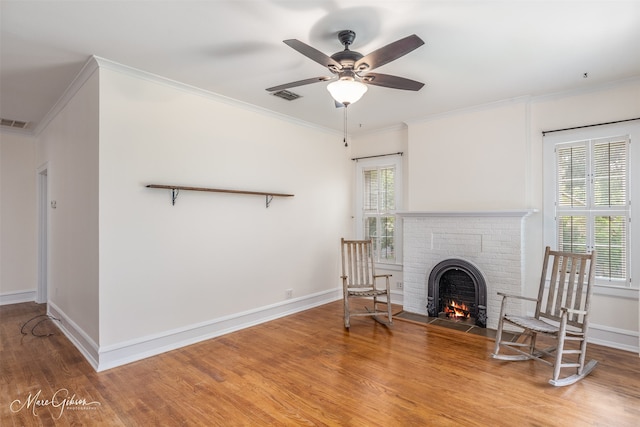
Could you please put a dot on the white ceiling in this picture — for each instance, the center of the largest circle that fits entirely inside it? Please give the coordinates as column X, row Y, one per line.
column 475, row 52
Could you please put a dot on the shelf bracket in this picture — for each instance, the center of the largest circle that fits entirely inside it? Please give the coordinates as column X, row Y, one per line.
column 268, row 199
column 174, row 195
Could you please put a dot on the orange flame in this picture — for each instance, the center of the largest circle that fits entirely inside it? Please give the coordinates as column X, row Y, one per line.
column 456, row 310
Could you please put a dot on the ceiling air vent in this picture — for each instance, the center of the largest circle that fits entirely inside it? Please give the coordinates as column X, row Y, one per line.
column 13, row 123
column 285, row 94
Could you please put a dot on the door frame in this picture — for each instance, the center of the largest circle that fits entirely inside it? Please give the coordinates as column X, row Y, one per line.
column 42, row 292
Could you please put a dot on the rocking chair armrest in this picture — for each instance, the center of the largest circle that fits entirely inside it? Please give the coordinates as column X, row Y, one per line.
column 382, row 275
column 573, row 311
column 502, row 294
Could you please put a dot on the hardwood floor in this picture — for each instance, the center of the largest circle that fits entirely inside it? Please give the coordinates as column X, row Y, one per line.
column 305, row 369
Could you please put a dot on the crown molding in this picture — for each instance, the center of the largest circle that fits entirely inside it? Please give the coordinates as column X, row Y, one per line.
column 586, row 90
column 94, row 63
column 528, row 99
column 151, row 77
column 471, row 109
column 89, row 67
column 398, row 127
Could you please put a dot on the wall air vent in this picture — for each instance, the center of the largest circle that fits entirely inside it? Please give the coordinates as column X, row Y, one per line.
column 285, row 94
column 13, row 123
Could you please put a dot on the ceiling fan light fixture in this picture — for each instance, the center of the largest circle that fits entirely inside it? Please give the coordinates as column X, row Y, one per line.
column 347, row 91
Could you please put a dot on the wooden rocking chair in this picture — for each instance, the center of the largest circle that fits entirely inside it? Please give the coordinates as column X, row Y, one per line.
column 359, row 281
column 562, row 312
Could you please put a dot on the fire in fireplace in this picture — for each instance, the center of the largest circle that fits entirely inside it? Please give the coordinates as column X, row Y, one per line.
column 457, row 290
column 455, row 310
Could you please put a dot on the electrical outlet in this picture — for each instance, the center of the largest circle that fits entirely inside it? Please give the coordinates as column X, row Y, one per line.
column 289, row 293
column 399, row 285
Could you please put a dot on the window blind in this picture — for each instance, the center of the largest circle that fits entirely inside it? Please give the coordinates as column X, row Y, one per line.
column 592, row 208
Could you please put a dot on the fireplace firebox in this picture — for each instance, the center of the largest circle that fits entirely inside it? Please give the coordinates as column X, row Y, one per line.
column 457, row 289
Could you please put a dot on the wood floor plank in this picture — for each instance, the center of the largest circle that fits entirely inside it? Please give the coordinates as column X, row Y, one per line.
column 306, row 369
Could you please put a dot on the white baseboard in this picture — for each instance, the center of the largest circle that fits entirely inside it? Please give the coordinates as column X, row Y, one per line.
column 17, row 297
column 621, row 339
column 85, row 344
column 141, row 348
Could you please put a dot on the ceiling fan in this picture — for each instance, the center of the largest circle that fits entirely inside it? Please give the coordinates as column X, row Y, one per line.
column 351, row 69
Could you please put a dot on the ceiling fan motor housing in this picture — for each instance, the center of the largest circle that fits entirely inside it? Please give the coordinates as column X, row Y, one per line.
column 347, row 58
column 346, row 37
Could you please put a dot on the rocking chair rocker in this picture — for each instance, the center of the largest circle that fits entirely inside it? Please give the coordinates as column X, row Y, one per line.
column 562, row 312
column 359, row 281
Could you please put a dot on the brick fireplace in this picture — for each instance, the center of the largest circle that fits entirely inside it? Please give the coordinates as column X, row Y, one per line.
column 490, row 244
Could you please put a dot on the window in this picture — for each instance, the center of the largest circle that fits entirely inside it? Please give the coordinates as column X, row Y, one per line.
column 592, row 203
column 378, row 192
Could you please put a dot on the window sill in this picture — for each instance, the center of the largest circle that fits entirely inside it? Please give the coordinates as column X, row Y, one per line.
column 388, row 267
column 616, row 291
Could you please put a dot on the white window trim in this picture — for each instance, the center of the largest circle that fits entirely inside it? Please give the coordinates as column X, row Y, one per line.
column 549, row 177
column 361, row 164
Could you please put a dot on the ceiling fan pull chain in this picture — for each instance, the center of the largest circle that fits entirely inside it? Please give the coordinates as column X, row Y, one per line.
column 345, row 126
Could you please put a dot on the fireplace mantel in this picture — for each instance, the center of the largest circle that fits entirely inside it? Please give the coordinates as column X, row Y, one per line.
column 499, row 213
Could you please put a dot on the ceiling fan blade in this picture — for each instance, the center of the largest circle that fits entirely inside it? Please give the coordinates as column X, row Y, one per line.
column 300, row 83
column 388, row 53
column 393, row 82
column 314, row 54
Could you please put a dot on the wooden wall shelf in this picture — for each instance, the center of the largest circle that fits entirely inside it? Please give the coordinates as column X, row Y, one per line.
column 175, row 189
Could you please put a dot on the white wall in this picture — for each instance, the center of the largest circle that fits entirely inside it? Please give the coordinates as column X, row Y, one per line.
column 469, row 160
column 169, row 269
column 18, row 239
column 69, row 148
